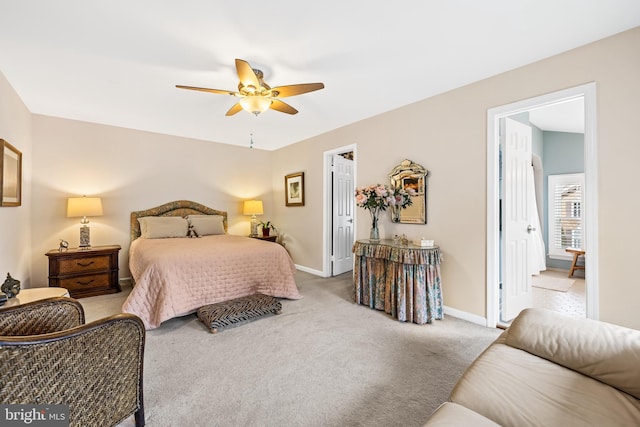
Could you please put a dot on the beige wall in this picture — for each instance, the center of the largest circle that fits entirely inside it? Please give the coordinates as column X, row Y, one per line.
column 301, row 226
column 15, row 222
column 132, row 170
column 447, row 135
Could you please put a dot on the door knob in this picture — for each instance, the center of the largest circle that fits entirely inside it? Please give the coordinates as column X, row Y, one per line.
column 530, row 229
column 350, row 220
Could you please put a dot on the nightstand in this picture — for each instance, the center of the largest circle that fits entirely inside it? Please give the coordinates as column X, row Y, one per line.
column 85, row 272
column 268, row 238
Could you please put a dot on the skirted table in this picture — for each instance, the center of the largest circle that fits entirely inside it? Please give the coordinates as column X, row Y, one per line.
column 402, row 280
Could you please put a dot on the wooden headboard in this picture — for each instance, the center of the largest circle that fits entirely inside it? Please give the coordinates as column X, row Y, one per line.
column 178, row 208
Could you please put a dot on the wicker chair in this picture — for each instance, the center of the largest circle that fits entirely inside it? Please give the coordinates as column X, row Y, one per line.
column 49, row 356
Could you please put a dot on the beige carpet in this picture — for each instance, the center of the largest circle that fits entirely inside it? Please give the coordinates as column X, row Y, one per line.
column 560, row 284
column 324, row 361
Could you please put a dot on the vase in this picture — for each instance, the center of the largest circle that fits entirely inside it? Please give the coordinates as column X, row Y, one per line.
column 395, row 213
column 374, row 234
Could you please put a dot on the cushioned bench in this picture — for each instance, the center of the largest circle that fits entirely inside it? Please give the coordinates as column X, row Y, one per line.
column 237, row 310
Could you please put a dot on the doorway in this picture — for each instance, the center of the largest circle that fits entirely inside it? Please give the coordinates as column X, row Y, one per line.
column 493, row 279
column 339, row 219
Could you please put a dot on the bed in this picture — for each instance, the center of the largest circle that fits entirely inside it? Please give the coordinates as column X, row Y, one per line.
column 175, row 275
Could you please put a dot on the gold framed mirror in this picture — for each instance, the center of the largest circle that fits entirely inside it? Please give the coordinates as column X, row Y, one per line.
column 410, row 176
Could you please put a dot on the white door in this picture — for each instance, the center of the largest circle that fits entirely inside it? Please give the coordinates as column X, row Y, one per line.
column 516, row 219
column 343, row 204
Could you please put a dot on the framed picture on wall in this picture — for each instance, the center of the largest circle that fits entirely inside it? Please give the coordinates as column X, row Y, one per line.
column 294, row 189
column 10, row 175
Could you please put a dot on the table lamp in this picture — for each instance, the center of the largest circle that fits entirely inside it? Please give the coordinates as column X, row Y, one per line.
column 84, row 207
column 253, row 208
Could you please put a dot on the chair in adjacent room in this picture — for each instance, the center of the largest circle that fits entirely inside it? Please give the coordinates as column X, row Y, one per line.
column 49, row 356
column 577, row 253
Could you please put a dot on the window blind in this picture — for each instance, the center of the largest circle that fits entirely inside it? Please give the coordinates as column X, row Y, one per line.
column 566, row 207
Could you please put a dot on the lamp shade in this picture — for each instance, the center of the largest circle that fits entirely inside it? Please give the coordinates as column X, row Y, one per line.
column 84, row 206
column 255, row 104
column 253, row 207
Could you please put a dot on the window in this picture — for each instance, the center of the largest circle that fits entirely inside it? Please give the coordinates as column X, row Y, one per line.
column 566, row 205
column 575, row 209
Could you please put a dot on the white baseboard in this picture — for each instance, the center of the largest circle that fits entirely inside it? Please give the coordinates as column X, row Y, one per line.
column 310, row 270
column 473, row 318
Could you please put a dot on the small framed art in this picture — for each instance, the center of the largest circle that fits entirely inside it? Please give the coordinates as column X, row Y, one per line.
column 10, row 175
column 294, row 189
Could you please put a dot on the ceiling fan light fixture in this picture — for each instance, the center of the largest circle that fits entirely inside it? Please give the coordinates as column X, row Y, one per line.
column 255, row 104
column 255, row 95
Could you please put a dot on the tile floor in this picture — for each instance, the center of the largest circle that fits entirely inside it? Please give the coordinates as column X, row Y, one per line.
column 571, row 303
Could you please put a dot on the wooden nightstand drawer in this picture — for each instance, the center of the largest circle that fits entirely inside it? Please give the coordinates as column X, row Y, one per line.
column 85, row 272
column 83, row 265
column 86, row 283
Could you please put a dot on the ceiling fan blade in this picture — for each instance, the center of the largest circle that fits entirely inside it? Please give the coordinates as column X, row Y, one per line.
column 292, row 90
column 204, row 89
column 233, row 110
column 282, row 107
column 246, row 74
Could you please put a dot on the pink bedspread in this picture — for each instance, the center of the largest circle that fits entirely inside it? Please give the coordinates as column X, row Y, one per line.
column 174, row 277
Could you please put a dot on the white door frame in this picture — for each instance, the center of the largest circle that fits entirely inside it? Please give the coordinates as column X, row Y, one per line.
column 327, row 197
column 588, row 91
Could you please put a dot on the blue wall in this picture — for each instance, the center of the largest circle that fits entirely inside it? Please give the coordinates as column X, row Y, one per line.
column 563, row 152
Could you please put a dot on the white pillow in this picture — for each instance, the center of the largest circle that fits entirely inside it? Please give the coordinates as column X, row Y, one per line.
column 205, row 225
column 159, row 227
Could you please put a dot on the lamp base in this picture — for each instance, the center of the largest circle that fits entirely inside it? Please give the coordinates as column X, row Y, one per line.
column 254, row 226
column 85, row 238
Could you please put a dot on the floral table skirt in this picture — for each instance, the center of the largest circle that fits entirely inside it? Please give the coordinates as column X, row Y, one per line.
column 403, row 281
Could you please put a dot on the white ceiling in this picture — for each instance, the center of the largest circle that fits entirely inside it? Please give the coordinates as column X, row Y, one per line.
column 567, row 116
column 117, row 62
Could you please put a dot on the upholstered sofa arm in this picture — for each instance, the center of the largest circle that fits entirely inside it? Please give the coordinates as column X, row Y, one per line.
column 96, row 369
column 41, row 317
column 606, row 352
column 451, row 414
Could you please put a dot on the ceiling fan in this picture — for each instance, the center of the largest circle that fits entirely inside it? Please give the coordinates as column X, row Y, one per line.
column 255, row 95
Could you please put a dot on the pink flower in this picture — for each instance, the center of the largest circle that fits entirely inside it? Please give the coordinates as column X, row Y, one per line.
column 377, row 198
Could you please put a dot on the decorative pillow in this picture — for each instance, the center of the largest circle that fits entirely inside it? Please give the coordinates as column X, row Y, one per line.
column 160, row 227
column 205, row 225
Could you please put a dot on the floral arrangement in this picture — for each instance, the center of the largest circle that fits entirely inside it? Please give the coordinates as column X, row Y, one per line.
column 380, row 197
column 403, row 197
column 402, row 200
column 374, row 197
column 377, row 198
